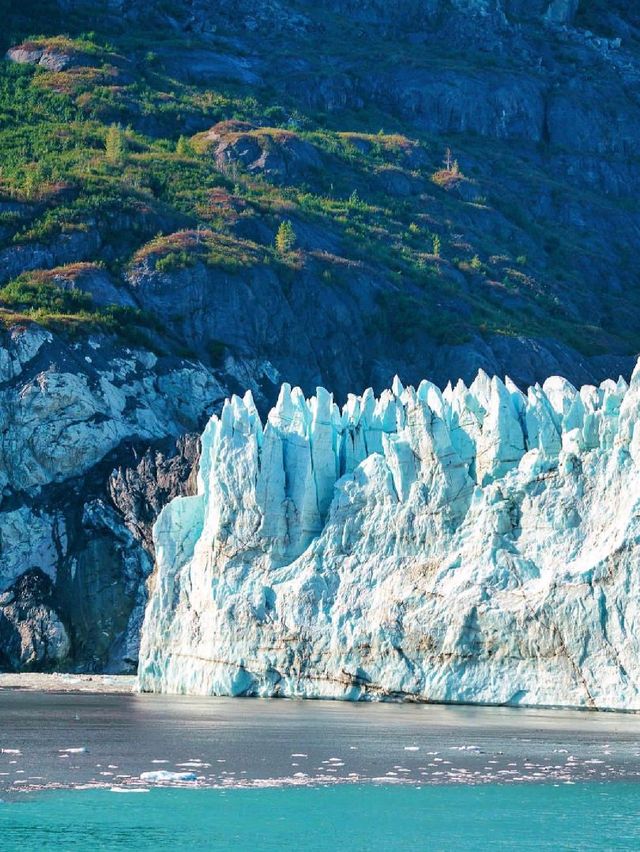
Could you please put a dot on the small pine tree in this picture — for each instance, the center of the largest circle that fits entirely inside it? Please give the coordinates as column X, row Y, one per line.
column 115, row 145
column 285, row 237
column 30, row 186
column 183, row 147
column 437, row 245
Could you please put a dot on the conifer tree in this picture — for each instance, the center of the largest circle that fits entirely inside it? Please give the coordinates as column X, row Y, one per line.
column 183, row 147
column 115, row 145
column 285, row 237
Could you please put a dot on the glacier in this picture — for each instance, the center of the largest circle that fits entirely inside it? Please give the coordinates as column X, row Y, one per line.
column 476, row 545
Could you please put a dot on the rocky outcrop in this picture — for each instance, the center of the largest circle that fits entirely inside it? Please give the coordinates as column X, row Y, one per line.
column 68, row 248
column 80, row 489
column 476, row 544
column 51, row 58
column 88, row 278
column 31, row 632
column 278, row 155
column 140, row 493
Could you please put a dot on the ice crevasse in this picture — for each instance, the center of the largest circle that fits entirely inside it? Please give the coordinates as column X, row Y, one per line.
column 476, row 545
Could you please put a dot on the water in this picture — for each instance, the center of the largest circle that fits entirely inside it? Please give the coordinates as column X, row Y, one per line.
column 312, row 775
column 366, row 817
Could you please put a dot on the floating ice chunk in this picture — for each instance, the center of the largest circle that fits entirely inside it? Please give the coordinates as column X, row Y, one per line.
column 78, row 750
column 164, row 775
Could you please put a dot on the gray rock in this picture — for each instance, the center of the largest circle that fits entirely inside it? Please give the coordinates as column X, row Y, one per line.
column 203, row 66
column 280, row 156
column 32, row 636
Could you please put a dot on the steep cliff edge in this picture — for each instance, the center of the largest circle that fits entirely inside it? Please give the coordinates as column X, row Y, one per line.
column 471, row 545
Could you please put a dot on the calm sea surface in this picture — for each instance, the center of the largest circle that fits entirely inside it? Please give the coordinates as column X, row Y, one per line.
column 311, row 775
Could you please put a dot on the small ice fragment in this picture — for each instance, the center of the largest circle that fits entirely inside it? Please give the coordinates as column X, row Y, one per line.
column 129, row 789
column 11, row 751
column 192, row 764
column 412, row 748
column 80, row 750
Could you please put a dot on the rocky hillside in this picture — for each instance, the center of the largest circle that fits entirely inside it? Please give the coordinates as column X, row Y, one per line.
column 198, row 198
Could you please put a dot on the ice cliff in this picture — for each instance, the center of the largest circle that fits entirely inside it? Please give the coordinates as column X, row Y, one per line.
column 476, row 544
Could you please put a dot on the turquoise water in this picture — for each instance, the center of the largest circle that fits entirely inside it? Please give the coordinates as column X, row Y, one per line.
column 362, row 817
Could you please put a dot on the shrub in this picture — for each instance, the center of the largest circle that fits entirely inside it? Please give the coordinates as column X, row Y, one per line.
column 183, row 147
column 27, row 293
column 174, row 260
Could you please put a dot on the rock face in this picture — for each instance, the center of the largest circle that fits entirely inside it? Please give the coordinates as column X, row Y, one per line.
column 471, row 545
column 91, row 447
column 278, row 155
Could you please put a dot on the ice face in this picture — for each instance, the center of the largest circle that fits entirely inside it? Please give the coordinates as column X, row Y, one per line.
column 472, row 545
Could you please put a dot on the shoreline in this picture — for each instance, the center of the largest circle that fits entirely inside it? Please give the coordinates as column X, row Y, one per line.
column 96, row 684
column 115, row 684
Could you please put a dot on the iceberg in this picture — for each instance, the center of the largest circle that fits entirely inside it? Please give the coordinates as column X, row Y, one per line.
column 473, row 544
column 165, row 776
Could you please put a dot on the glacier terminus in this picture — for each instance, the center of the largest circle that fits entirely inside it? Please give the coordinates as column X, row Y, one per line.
column 477, row 544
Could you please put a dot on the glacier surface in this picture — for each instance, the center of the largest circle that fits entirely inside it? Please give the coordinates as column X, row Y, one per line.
column 474, row 545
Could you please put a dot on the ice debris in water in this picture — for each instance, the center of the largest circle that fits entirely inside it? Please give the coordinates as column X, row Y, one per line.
column 477, row 544
column 129, row 789
column 164, row 775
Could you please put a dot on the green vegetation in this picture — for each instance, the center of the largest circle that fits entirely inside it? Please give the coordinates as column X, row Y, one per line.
column 30, row 297
column 115, row 152
column 174, row 260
